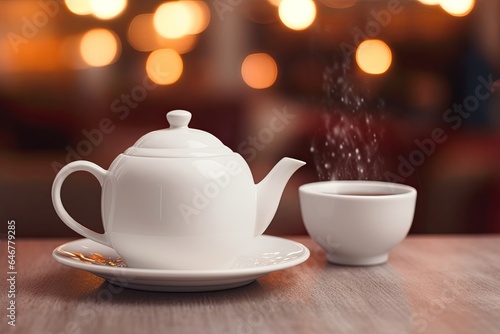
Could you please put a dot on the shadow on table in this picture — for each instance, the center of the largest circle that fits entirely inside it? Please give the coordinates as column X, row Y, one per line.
column 78, row 285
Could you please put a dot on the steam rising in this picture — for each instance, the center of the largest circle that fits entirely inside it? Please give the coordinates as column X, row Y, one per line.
column 347, row 145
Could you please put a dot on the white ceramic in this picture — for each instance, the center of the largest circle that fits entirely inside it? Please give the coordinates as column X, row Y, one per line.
column 179, row 199
column 264, row 255
column 353, row 222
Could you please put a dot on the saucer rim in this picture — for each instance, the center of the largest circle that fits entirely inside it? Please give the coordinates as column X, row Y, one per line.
column 191, row 274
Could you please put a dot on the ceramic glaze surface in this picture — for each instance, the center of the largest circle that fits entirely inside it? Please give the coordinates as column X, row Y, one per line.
column 357, row 222
column 179, row 199
column 265, row 254
column 202, row 202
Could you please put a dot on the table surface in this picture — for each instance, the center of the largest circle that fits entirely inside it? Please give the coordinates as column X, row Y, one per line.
column 431, row 284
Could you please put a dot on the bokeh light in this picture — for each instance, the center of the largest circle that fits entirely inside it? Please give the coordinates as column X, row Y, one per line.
column 79, row 7
column 275, row 3
column 373, row 56
column 201, row 15
column 99, row 47
column 164, row 66
column 141, row 33
column 173, row 19
column 107, row 9
column 297, row 14
column 181, row 45
column 457, row 7
column 143, row 37
column 259, row 70
column 180, row 18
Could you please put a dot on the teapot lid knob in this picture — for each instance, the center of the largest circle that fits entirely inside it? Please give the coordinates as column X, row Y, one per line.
column 178, row 141
column 178, row 118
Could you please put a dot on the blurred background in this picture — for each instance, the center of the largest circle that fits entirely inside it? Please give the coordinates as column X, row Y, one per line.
column 390, row 90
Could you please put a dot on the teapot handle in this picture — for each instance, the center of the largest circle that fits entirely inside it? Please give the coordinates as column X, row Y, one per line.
column 72, row 167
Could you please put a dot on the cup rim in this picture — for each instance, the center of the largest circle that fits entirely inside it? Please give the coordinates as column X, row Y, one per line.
column 320, row 188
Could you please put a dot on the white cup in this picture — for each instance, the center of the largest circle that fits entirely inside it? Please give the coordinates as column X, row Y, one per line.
column 357, row 222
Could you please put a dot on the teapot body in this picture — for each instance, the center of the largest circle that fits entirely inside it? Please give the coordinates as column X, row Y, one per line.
column 192, row 203
column 179, row 199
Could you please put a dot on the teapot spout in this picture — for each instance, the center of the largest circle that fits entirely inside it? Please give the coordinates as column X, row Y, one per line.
column 270, row 189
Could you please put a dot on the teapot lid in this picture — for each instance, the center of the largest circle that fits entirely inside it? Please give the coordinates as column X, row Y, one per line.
column 178, row 140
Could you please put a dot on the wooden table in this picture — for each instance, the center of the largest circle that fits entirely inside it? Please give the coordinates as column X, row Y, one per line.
column 431, row 284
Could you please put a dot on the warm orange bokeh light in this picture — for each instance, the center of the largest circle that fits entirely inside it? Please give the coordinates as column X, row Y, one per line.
column 275, row 3
column 164, row 66
column 457, row 7
column 141, row 33
column 180, row 18
column 107, row 9
column 143, row 37
column 172, row 20
column 79, row 7
column 99, row 47
column 297, row 14
column 373, row 56
column 201, row 15
column 259, row 70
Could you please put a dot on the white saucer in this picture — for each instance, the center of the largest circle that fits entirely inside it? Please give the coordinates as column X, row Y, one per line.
column 265, row 255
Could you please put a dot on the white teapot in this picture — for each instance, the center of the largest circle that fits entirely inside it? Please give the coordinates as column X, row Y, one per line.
column 179, row 199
